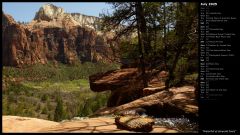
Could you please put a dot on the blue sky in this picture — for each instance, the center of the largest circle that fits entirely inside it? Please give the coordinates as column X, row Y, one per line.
column 25, row 11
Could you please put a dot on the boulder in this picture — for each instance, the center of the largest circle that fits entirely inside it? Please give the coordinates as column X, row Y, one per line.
column 135, row 123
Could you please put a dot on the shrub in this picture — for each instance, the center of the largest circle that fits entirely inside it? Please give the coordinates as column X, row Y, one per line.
column 45, row 110
column 45, row 97
column 59, row 111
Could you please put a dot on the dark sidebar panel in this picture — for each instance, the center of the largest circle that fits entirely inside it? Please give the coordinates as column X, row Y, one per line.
column 219, row 63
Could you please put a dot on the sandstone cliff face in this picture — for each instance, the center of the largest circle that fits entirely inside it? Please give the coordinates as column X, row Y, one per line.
column 18, row 49
column 86, row 21
column 53, row 16
column 53, row 36
column 7, row 20
column 49, row 12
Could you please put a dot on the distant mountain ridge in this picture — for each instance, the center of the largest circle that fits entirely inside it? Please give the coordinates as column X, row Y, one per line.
column 56, row 16
column 54, row 35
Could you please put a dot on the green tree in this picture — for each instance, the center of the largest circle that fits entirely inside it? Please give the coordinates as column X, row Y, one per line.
column 50, row 116
column 44, row 97
column 59, row 111
column 185, row 35
column 126, row 18
column 45, row 110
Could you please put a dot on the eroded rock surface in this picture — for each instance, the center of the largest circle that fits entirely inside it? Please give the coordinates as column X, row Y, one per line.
column 135, row 123
column 125, row 85
column 17, row 124
column 173, row 103
column 50, row 15
column 133, row 111
column 53, row 35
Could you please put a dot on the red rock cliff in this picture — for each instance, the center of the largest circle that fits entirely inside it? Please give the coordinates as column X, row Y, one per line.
column 28, row 44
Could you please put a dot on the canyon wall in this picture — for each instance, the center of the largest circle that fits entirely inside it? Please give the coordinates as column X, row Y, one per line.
column 54, row 35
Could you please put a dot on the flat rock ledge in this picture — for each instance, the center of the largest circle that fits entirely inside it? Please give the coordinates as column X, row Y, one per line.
column 17, row 124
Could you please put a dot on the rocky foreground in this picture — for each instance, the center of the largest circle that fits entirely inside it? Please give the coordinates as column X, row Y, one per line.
column 175, row 102
column 91, row 125
column 128, row 93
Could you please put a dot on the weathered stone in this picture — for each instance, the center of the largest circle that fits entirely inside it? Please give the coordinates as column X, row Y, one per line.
column 26, row 45
column 50, row 15
column 113, row 80
column 149, row 90
column 133, row 111
column 125, row 85
column 175, row 102
column 135, row 123
column 119, row 97
column 91, row 125
column 158, row 79
column 48, row 12
column 7, row 20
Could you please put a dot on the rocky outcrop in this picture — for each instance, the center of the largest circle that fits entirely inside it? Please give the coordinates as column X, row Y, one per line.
column 173, row 103
column 49, row 12
column 112, row 80
column 26, row 45
column 125, row 84
column 148, row 91
column 24, row 124
column 17, row 46
column 135, row 123
column 7, row 20
column 87, row 21
column 50, row 15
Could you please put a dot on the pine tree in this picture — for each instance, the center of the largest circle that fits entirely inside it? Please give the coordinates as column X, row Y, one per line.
column 125, row 19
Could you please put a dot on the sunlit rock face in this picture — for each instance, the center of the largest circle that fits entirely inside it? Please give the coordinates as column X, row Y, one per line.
column 86, row 21
column 54, row 36
column 48, row 12
column 7, row 20
column 50, row 15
